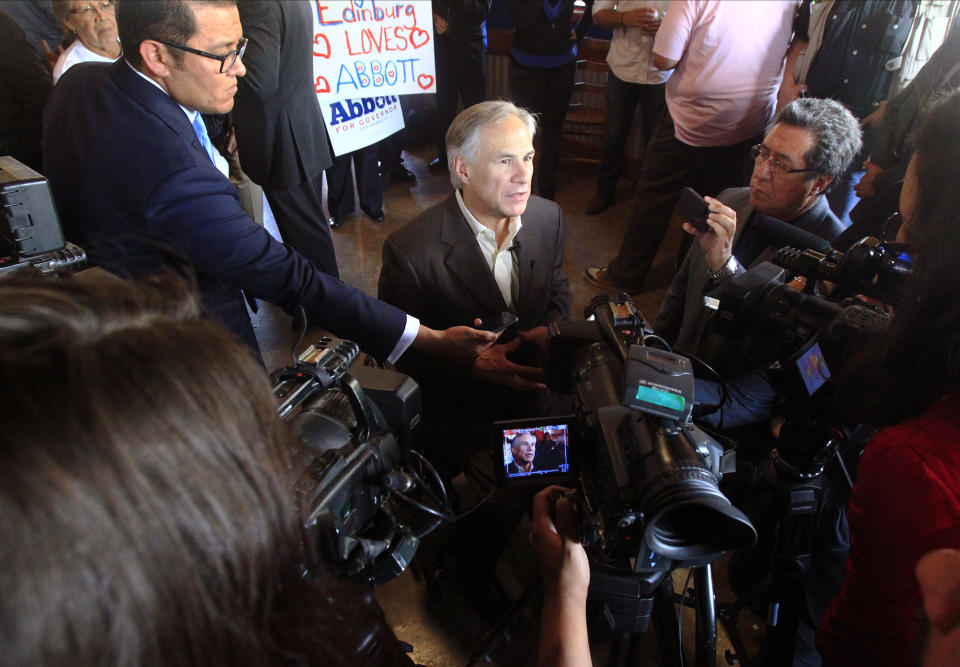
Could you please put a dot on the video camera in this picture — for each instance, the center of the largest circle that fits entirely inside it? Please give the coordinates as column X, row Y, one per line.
column 794, row 339
column 355, row 471
column 646, row 477
column 30, row 235
column 805, row 333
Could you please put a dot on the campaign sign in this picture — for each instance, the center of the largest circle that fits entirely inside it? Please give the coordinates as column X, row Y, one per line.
column 353, row 123
column 369, row 48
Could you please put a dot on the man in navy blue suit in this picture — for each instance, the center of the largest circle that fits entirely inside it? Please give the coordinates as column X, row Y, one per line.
column 134, row 183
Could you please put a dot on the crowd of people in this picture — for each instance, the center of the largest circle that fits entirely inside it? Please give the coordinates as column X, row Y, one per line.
column 151, row 518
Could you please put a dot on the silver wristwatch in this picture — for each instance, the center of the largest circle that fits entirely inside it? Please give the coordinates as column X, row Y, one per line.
column 728, row 269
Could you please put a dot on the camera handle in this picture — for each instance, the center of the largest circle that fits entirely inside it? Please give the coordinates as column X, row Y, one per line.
column 370, row 420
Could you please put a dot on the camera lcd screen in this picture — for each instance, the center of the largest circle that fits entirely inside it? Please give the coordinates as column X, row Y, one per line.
column 534, row 451
column 813, row 368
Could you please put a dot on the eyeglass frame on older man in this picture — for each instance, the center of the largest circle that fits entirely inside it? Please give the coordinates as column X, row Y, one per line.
column 756, row 152
column 100, row 7
column 237, row 53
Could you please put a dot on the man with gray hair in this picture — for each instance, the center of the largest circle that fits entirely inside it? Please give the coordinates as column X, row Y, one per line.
column 809, row 144
column 488, row 248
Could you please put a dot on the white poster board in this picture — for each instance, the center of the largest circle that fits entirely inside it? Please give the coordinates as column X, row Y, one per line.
column 355, row 123
column 365, row 54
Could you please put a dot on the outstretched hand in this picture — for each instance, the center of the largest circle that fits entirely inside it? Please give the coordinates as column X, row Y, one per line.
column 538, row 336
column 456, row 342
column 493, row 366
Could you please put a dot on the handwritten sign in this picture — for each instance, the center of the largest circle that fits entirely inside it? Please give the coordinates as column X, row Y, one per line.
column 353, row 123
column 368, row 48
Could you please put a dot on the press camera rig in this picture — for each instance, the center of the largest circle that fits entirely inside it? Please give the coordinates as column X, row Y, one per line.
column 367, row 497
column 30, row 235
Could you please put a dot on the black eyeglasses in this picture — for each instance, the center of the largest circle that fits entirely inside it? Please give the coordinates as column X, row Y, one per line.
column 761, row 153
column 227, row 60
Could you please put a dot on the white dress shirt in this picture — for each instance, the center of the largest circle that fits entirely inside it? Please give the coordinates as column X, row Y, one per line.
column 503, row 263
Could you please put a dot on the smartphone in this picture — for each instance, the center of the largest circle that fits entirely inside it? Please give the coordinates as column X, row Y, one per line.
column 499, row 322
column 693, row 208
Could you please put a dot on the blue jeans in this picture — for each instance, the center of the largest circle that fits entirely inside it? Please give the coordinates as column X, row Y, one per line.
column 750, row 399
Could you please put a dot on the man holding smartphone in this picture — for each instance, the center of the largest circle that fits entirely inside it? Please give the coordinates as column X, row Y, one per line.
column 809, row 144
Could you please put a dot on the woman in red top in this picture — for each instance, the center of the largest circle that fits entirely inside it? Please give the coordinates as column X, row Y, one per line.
column 906, row 501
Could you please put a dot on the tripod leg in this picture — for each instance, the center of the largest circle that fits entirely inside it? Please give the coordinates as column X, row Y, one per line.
column 665, row 621
column 706, row 655
column 618, row 650
column 498, row 632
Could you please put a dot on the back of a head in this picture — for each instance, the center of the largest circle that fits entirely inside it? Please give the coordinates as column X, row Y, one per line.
column 934, row 237
column 905, row 371
column 146, row 518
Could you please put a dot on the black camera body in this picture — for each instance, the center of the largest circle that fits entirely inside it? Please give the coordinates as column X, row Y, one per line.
column 30, row 234
column 355, row 424
column 778, row 323
column 647, row 486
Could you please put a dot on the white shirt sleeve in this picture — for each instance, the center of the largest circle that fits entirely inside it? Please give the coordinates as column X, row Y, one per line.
column 406, row 338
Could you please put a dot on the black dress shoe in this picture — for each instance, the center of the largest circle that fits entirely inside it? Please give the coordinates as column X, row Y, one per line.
column 334, row 222
column 598, row 204
column 376, row 215
column 438, row 164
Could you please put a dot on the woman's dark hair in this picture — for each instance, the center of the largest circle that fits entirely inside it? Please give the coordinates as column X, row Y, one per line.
column 919, row 358
column 145, row 511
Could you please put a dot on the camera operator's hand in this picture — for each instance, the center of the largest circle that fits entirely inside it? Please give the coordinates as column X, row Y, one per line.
column 565, row 572
column 493, row 366
column 939, row 576
column 864, row 188
column 717, row 244
column 457, row 342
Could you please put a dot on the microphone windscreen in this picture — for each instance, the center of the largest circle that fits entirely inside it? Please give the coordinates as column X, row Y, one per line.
column 778, row 234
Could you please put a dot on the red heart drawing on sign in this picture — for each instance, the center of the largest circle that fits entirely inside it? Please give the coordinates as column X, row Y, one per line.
column 322, row 85
column 321, row 46
column 418, row 34
column 425, row 81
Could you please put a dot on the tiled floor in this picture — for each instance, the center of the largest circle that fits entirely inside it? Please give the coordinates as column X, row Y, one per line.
column 444, row 636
